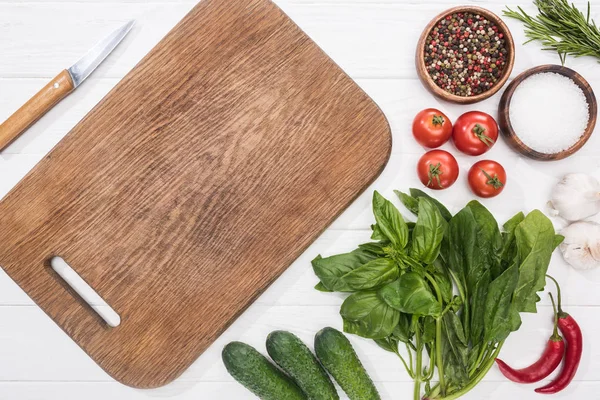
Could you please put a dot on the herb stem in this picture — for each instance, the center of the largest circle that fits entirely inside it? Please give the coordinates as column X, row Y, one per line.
column 410, row 358
column 408, row 369
column 438, row 335
column 419, row 366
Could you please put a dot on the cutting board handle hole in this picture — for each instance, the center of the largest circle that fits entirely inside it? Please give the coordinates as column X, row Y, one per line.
column 85, row 291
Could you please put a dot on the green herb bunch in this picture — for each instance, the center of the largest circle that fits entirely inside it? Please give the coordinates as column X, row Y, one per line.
column 449, row 288
column 561, row 27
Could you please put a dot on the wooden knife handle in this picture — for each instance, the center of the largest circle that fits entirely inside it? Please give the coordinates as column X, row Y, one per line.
column 35, row 108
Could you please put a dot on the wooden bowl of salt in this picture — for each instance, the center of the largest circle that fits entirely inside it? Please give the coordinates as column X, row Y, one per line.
column 548, row 112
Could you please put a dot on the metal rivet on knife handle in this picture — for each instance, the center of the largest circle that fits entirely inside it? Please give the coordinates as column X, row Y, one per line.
column 35, row 108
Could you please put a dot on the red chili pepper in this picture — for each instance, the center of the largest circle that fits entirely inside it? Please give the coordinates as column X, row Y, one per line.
column 569, row 328
column 548, row 362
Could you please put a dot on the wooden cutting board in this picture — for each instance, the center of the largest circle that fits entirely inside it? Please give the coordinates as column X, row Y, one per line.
column 192, row 186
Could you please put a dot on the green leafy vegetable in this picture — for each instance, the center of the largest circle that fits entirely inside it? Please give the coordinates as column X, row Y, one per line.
column 535, row 243
column 450, row 288
column 428, row 232
column 366, row 315
column 371, row 275
column 390, row 221
column 331, row 270
column 411, row 295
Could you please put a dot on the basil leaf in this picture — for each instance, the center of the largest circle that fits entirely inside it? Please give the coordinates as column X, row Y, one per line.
column 375, row 248
column 330, row 270
column 535, row 240
column 366, row 315
column 389, row 343
column 497, row 306
column 409, row 202
column 428, row 232
column 377, row 233
column 402, row 330
column 410, row 294
column 390, row 221
column 428, row 330
column 416, row 193
column 373, row 274
column 321, row 288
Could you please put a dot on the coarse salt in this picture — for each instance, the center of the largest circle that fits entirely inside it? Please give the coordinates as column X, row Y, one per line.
column 549, row 112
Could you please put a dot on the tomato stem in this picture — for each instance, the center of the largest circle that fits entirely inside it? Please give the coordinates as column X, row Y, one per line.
column 479, row 131
column 437, row 120
column 434, row 173
column 494, row 181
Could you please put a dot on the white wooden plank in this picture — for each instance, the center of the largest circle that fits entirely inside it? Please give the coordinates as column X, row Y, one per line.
column 234, row 391
column 367, row 39
column 37, row 350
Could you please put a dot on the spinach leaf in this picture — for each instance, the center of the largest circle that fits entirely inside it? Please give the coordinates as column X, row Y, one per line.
column 409, row 202
column 558, row 239
column 535, row 240
column 390, row 221
column 498, row 303
column 485, row 258
column 366, row 315
column 508, row 251
column 454, row 350
column 373, row 274
column 330, row 270
column 428, row 232
column 440, row 273
column 410, row 294
column 416, row 193
column 458, row 249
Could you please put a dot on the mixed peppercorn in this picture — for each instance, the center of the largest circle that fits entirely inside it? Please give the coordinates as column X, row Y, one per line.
column 465, row 54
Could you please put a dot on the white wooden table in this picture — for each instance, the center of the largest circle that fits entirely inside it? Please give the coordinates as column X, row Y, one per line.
column 373, row 40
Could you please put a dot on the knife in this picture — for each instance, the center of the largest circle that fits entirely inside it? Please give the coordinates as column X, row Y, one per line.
column 60, row 87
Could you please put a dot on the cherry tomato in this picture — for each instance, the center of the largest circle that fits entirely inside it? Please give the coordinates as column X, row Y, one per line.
column 437, row 169
column 487, row 178
column 431, row 128
column 475, row 132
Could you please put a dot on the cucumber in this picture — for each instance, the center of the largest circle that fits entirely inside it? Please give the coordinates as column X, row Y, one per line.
column 296, row 359
column 339, row 359
column 259, row 375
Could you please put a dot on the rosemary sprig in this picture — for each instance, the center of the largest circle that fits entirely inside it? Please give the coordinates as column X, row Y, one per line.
column 561, row 27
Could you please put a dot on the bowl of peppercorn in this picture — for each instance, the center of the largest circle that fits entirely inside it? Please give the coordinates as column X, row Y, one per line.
column 465, row 54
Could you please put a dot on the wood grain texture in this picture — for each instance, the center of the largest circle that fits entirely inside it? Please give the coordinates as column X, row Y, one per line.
column 192, row 186
column 445, row 95
column 56, row 90
column 512, row 137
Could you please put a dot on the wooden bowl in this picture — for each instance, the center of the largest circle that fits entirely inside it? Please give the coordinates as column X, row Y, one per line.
column 504, row 113
column 438, row 91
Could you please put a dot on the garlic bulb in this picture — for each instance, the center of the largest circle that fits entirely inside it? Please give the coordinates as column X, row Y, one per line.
column 576, row 197
column 581, row 247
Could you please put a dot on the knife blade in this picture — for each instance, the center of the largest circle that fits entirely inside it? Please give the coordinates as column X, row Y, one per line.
column 60, row 87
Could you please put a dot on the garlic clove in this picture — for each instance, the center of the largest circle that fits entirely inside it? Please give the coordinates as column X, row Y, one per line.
column 581, row 247
column 576, row 197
